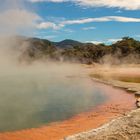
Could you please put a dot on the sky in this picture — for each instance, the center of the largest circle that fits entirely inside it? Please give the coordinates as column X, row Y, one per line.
column 94, row 21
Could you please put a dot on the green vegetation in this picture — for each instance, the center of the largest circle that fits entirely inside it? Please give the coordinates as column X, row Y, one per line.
column 125, row 51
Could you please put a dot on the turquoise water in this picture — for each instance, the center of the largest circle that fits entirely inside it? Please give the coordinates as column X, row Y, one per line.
column 30, row 100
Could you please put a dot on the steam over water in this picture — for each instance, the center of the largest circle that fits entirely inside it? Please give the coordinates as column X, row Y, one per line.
column 42, row 92
column 39, row 93
column 36, row 95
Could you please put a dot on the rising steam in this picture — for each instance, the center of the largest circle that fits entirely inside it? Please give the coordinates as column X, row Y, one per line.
column 15, row 19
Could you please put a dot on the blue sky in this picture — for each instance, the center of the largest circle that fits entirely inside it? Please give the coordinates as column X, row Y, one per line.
column 86, row 20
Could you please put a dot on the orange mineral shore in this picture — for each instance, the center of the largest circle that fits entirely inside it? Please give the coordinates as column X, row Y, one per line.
column 118, row 103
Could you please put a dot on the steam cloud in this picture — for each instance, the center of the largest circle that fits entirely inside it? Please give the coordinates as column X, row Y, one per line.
column 15, row 18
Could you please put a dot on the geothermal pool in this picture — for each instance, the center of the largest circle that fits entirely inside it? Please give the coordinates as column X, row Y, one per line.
column 32, row 97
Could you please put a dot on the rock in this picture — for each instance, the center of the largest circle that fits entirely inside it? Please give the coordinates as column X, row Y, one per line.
column 123, row 128
column 138, row 102
column 137, row 94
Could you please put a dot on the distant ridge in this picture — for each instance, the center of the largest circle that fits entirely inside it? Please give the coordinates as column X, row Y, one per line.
column 67, row 43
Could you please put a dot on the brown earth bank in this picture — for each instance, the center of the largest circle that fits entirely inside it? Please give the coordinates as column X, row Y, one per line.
column 119, row 102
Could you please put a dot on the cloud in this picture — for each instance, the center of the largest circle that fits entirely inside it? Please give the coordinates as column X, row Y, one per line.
column 122, row 4
column 48, row 1
column 94, row 42
column 113, row 40
column 89, row 28
column 59, row 25
column 15, row 18
column 101, row 19
column 106, row 41
column 47, row 25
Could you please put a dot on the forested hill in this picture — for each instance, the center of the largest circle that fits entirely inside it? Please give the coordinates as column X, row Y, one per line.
column 126, row 50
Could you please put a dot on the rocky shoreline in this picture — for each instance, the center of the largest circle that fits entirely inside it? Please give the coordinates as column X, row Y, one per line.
column 126, row 127
column 122, row 128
